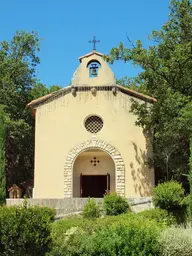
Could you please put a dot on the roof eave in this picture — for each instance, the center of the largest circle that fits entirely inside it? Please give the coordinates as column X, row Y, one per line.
column 89, row 54
column 137, row 94
column 35, row 103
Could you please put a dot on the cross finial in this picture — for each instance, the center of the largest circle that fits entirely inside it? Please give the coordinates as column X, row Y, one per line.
column 94, row 41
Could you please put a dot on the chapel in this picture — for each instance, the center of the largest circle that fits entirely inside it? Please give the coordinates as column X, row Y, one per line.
column 86, row 140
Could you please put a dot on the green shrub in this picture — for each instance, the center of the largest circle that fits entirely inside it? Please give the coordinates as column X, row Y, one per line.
column 168, row 195
column 25, row 231
column 64, row 230
column 115, row 204
column 128, row 235
column 89, row 226
column 61, row 226
column 46, row 211
column 188, row 203
column 160, row 215
column 176, row 242
column 91, row 209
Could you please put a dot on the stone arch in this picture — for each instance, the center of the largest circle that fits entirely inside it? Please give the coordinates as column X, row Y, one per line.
column 94, row 144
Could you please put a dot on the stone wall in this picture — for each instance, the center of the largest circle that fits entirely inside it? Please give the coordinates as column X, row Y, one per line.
column 73, row 205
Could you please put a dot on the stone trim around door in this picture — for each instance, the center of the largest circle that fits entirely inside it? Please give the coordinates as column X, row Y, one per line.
column 94, row 144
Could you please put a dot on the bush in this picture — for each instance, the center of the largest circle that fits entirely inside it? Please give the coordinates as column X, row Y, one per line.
column 188, row 203
column 170, row 196
column 176, row 242
column 89, row 226
column 61, row 226
column 91, row 209
column 46, row 211
column 159, row 215
column 115, row 204
column 124, row 235
column 25, row 231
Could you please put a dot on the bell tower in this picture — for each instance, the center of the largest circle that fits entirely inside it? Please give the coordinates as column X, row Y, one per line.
column 93, row 69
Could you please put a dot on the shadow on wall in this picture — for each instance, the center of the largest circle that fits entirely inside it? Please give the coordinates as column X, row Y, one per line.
column 143, row 176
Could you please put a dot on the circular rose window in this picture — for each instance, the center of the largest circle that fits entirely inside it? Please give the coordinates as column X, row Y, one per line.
column 93, row 124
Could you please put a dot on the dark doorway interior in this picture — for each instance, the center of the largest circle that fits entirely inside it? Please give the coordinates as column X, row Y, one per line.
column 93, row 185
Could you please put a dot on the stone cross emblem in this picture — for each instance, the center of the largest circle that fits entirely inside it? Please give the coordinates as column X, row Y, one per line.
column 94, row 162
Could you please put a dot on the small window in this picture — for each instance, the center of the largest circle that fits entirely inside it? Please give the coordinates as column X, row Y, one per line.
column 93, row 68
column 93, row 124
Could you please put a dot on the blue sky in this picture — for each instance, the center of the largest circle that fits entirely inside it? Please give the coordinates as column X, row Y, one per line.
column 66, row 26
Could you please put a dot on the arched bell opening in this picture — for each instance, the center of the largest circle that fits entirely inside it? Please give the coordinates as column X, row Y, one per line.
column 93, row 174
column 93, row 67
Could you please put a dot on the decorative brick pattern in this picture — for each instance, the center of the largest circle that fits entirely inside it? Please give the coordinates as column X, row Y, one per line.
column 94, row 144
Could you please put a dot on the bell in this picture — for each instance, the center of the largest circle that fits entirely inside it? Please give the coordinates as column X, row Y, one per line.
column 94, row 71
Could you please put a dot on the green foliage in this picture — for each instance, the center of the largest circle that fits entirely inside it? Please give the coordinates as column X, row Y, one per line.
column 168, row 195
column 18, row 59
column 91, row 209
column 25, row 231
column 121, row 240
column 161, row 216
column 190, row 167
column 59, row 228
column 127, row 234
column 18, row 86
column 176, row 242
column 188, row 204
column 166, row 75
column 3, row 121
column 40, row 90
column 49, row 213
column 115, row 204
column 66, row 228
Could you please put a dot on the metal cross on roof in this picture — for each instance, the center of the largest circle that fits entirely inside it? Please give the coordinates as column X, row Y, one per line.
column 94, row 41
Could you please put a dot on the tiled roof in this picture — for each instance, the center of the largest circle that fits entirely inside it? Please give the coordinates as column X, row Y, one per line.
column 39, row 99
column 46, row 97
column 43, row 99
column 136, row 94
column 14, row 187
column 89, row 54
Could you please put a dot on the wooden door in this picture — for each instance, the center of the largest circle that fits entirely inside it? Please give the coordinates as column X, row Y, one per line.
column 93, row 185
column 108, row 183
column 81, row 186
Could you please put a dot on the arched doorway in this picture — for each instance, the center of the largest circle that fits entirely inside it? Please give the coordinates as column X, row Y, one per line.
column 93, row 174
column 94, row 145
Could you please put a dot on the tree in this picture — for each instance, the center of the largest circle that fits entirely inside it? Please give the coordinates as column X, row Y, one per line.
column 3, row 122
column 18, row 86
column 17, row 77
column 40, row 90
column 166, row 76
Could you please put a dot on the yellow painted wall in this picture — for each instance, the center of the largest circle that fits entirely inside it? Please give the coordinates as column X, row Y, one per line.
column 60, row 127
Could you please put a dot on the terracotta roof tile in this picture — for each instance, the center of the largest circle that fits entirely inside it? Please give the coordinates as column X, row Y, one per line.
column 89, row 54
column 133, row 92
column 130, row 92
column 14, row 187
column 39, row 99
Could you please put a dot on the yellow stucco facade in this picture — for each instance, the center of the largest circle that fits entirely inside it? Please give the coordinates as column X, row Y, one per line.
column 64, row 148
